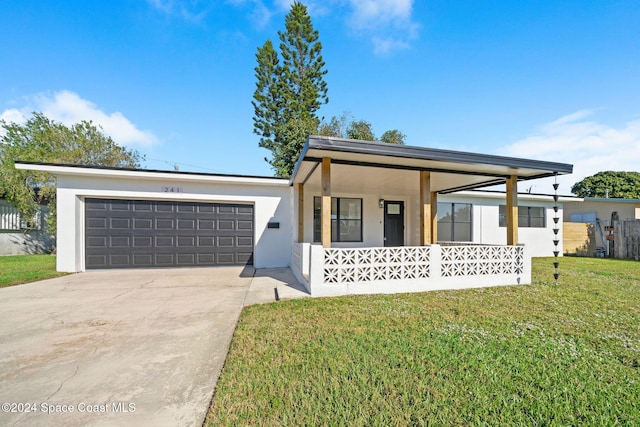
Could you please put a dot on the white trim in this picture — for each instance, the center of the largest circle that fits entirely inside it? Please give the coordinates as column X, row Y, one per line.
column 152, row 175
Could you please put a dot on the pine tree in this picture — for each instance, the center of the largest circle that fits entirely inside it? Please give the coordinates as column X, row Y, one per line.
column 288, row 95
column 267, row 103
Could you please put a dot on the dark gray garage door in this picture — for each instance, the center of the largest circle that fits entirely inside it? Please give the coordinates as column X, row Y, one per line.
column 146, row 233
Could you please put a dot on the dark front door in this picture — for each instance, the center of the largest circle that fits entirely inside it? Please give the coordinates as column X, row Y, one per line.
column 393, row 223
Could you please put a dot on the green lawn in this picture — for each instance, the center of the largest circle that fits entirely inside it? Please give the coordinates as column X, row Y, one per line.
column 19, row 269
column 540, row 354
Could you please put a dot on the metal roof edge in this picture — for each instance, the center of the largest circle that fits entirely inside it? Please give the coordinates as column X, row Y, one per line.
column 424, row 153
column 611, row 199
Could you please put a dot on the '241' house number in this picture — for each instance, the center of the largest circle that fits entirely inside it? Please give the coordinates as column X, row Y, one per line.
column 172, row 189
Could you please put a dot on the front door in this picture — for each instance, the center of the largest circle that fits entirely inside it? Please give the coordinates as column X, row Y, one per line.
column 393, row 223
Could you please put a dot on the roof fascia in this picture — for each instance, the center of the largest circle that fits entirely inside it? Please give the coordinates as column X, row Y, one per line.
column 75, row 170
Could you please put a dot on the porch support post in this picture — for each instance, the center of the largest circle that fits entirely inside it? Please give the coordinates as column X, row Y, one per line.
column 512, row 210
column 426, row 209
column 326, row 203
column 434, row 217
column 300, row 212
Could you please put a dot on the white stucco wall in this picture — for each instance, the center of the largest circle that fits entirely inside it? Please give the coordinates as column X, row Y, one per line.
column 270, row 198
column 372, row 219
column 485, row 221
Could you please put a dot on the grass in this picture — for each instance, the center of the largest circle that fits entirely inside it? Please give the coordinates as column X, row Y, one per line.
column 540, row 354
column 17, row 269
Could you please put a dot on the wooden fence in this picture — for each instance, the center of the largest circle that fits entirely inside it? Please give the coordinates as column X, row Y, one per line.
column 578, row 238
column 627, row 239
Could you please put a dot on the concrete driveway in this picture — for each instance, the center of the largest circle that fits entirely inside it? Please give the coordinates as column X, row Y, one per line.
column 128, row 347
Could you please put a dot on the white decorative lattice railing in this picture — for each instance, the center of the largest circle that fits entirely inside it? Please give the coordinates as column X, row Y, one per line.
column 481, row 260
column 341, row 271
column 362, row 265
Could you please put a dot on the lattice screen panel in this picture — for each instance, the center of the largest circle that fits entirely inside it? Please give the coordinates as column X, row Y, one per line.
column 376, row 264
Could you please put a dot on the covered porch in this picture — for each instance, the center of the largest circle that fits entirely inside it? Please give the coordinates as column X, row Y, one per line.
column 366, row 218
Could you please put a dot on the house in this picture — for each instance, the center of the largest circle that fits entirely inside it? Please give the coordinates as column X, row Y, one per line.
column 355, row 217
column 23, row 236
column 590, row 220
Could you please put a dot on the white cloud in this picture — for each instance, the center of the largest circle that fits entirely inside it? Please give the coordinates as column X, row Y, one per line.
column 69, row 108
column 587, row 144
column 190, row 10
column 387, row 23
column 12, row 115
column 373, row 13
column 383, row 47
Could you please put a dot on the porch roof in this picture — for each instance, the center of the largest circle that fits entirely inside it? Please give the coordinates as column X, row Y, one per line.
column 452, row 171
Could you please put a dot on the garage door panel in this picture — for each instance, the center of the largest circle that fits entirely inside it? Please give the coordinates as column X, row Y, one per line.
column 245, row 210
column 186, row 259
column 121, row 223
column 96, row 205
column 120, row 260
column 143, row 206
column 143, row 223
column 186, row 241
column 98, row 261
column 142, row 242
column 165, row 224
column 206, row 224
column 165, row 260
column 226, row 242
column 120, row 205
column 97, row 242
column 245, row 258
column 206, row 241
column 165, row 207
column 165, row 241
column 143, row 260
column 206, row 259
column 135, row 233
column 244, row 241
column 244, row 225
column 119, row 241
column 226, row 224
column 186, row 224
column 226, row 258
column 97, row 223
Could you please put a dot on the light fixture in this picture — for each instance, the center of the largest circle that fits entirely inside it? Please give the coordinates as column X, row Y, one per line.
column 381, row 203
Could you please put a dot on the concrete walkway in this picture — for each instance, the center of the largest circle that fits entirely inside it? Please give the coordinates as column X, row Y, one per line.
column 126, row 347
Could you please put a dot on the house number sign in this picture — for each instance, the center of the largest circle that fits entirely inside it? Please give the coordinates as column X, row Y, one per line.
column 168, row 189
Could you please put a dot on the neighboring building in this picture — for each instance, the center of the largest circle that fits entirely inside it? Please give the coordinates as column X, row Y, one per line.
column 591, row 208
column 21, row 236
column 597, row 214
column 356, row 217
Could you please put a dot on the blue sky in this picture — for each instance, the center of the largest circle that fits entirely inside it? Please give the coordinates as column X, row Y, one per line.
column 552, row 80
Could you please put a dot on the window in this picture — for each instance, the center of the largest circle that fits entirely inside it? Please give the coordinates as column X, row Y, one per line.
column 346, row 219
column 528, row 216
column 454, row 222
column 589, row 217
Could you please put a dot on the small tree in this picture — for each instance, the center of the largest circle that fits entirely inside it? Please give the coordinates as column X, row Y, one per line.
column 344, row 126
column 362, row 130
column 624, row 185
column 43, row 140
column 393, row 136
